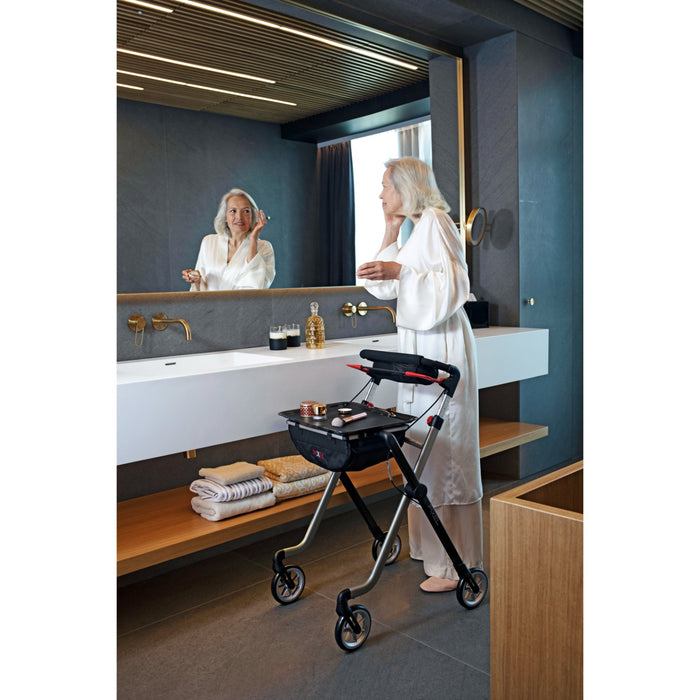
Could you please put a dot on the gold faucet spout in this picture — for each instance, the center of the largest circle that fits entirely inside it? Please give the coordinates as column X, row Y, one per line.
column 160, row 322
column 362, row 309
column 387, row 308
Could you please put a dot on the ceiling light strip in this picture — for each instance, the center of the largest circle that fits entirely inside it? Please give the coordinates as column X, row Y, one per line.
column 298, row 32
column 150, row 6
column 130, row 87
column 204, row 87
column 195, row 65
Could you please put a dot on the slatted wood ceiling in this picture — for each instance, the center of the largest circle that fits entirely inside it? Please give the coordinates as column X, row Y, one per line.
column 566, row 12
column 316, row 77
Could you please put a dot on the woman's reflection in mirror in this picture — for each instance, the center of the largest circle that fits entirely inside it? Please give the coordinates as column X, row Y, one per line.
column 235, row 257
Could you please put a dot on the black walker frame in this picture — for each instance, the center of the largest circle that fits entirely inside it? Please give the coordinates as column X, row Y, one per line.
column 360, row 444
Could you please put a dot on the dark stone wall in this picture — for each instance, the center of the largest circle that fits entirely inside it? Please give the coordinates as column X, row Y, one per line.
column 173, row 167
column 526, row 170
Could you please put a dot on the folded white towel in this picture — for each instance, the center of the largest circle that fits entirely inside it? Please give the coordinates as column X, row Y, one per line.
column 214, row 511
column 209, row 490
column 232, row 473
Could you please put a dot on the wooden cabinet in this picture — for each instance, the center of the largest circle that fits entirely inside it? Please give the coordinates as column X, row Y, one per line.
column 537, row 588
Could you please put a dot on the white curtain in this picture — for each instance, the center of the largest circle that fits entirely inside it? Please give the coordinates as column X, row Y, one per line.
column 414, row 140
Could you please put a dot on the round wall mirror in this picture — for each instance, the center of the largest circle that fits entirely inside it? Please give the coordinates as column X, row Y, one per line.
column 476, row 226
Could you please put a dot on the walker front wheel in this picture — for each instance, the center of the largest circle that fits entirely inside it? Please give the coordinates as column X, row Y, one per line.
column 393, row 553
column 287, row 590
column 466, row 596
column 350, row 639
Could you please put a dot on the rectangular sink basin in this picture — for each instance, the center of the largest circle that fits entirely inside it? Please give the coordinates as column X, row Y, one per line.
column 185, row 365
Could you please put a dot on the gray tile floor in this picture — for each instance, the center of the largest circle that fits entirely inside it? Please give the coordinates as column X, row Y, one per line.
column 212, row 629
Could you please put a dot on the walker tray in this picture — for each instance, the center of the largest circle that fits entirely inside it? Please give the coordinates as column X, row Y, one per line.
column 352, row 447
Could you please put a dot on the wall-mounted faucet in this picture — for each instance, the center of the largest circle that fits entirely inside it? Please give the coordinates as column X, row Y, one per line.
column 160, row 322
column 361, row 309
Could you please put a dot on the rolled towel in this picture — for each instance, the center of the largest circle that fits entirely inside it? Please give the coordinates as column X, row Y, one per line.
column 290, row 468
column 214, row 511
column 209, row 490
column 232, row 473
column 284, row 490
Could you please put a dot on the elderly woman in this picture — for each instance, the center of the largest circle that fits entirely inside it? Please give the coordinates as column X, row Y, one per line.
column 428, row 276
column 234, row 257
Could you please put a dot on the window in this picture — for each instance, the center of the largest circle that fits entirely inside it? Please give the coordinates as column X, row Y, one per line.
column 369, row 153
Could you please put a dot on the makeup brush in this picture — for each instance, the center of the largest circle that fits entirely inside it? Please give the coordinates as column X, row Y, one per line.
column 339, row 422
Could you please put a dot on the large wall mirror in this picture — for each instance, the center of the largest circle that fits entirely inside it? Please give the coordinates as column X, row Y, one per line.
column 220, row 94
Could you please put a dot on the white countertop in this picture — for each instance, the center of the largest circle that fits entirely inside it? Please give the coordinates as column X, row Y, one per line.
column 180, row 403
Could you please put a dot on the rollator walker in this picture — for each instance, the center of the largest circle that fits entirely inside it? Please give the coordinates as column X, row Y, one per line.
column 353, row 444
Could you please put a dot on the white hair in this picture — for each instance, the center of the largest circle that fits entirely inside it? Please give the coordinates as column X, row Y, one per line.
column 415, row 182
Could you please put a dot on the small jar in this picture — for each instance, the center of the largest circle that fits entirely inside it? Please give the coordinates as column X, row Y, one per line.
column 306, row 408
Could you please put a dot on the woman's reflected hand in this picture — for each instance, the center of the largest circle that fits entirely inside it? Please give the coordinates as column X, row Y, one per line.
column 259, row 225
column 379, row 270
column 192, row 276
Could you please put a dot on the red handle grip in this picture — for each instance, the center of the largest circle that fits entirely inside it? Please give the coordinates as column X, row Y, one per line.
column 424, row 376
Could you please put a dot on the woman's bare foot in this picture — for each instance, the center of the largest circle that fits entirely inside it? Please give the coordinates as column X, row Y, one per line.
column 438, row 585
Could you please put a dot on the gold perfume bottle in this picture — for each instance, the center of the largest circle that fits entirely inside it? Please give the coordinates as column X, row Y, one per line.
column 315, row 329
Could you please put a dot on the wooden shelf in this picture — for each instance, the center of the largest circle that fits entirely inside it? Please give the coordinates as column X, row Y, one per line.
column 162, row 526
column 499, row 435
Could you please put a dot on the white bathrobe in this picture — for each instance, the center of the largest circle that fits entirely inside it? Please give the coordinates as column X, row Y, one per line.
column 217, row 274
column 431, row 321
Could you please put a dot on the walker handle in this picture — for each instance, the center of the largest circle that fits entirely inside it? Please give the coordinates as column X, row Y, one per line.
column 426, row 377
column 449, row 383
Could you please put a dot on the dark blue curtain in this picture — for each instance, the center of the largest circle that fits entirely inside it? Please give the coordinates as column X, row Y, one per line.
column 337, row 220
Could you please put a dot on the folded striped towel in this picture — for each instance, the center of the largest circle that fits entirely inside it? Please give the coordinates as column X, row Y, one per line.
column 211, row 510
column 209, row 490
column 284, row 490
column 232, row 473
column 290, row 468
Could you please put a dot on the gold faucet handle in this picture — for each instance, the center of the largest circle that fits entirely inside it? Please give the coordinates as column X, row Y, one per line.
column 137, row 323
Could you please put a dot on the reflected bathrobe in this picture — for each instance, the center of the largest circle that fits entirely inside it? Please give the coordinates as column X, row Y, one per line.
column 217, row 274
column 431, row 321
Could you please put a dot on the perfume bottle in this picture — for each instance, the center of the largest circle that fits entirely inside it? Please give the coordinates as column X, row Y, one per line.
column 315, row 329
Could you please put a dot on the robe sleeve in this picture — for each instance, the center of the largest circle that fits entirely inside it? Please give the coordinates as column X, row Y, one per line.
column 204, row 260
column 260, row 271
column 434, row 284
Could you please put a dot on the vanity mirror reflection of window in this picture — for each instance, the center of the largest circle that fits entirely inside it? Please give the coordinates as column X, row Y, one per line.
column 369, row 153
column 235, row 257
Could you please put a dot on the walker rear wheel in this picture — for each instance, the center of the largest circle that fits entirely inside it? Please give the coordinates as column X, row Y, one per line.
column 349, row 639
column 393, row 553
column 286, row 592
column 466, row 596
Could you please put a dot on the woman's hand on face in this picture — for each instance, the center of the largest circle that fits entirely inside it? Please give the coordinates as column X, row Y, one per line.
column 379, row 270
column 393, row 224
column 393, row 221
column 260, row 224
column 191, row 276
